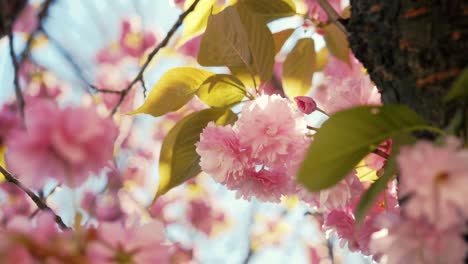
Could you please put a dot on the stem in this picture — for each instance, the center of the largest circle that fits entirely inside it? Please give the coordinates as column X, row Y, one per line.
column 164, row 42
column 36, row 199
column 333, row 16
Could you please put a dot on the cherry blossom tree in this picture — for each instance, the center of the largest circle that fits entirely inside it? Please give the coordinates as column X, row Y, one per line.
column 347, row 117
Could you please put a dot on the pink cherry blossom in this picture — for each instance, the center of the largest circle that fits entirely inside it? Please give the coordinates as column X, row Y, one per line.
column 436, row 189
column 117, row 243
column 260, row 155
column 66, row 144
column 270, row 127
column 416, row 241
column 108, row 80
column 9, row 120
column 305, row 104
column 345, row 87
column 338, row 196
column 220, row 152
column 133, row 42
column 191, row 47
column 204, row 216
column 111, row 54
column 27, row 20
column 16, row 202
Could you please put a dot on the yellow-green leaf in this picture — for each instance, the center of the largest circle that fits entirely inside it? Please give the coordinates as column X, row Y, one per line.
column 281, row 37
column 298, row 68
column 221, row 90
column 322, row 59
column 2, row 160
column 337, row 42
column 271, row 9
column 179, row 161
column 195, row 22
column 459, row 88
column 225, row 42
column 260, row 41
column 369, row 197
column 245, row 75
column 348, row 136
column 175, row 88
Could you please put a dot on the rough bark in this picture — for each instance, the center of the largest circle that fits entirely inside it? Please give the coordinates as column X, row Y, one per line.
column 413, row 50
column 9, row 10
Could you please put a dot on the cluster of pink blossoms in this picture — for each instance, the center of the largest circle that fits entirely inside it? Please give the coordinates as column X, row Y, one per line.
column 435, row 212
column 259, row 155
column 65, row 144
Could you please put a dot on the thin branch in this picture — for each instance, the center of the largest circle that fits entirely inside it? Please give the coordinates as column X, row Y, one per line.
column 19, row 94
column 333, row 16
column 164, row 42
column 40, row 18
column 36, row 199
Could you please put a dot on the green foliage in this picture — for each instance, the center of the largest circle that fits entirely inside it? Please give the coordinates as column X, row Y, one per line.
column 337, row 42
column 459, row 88
column 369, row 197
column 221, row 90
column 299, row 67
column 271, row 9
column 178, row 160
column 237, row 37
column 348, row 136
column 281, row 37
column 195, row 22
column 175, row 88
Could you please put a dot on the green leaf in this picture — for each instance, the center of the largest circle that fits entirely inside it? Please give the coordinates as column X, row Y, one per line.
column 225, row 42
column 260, row 40
column 175, row 88
column 221, row 90
column 196, row 21
column 179, row 161
column 459, row 88
column 348, row 136
column 370, row 196
column 245, row 75
column 281, row 37
column 298, row 68
column 322, row 59
column 271, row 9
column 337, row 42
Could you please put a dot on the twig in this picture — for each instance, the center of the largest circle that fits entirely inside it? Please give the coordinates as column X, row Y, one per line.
column 19, row 94
column 164, row 42
column 36, row 199
column 381, row 153
column 333, row 16
column 40, row 18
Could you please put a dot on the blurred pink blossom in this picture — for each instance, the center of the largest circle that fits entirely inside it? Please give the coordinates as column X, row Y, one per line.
column 416, row 241
column 117, row 243
column 435, row 179
column 203, row 216
column 66, row 144
column 134, row 43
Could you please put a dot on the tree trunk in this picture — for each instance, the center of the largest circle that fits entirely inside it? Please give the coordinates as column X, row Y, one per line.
column 413, row 51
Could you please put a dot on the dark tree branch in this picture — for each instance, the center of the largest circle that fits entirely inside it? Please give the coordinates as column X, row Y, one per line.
column 333, row 16
column 164, row 42
column 19, row 94
column 36, row 199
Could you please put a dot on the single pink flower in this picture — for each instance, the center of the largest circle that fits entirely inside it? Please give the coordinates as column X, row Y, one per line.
column 117, row 243
column 66, row 144
column 111, row 54
column 434, row 178
column 305, row 104
column 191, row 47
column 402, row 240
